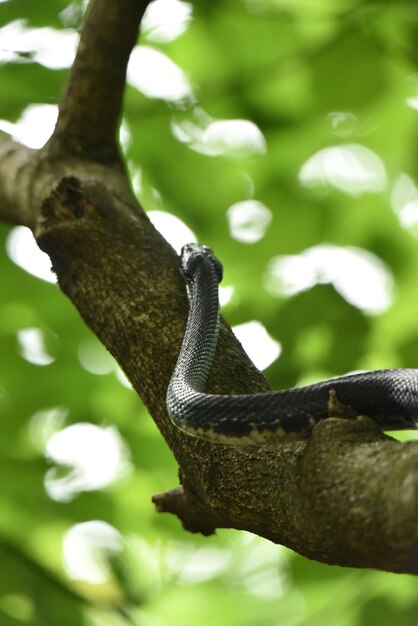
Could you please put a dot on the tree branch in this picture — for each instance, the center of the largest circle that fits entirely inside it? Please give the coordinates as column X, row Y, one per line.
column 90, row 107
column 89, row 113
column 15, row 173
column 347, row 496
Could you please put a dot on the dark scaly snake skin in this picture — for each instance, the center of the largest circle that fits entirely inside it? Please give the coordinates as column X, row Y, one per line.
column 389, row 397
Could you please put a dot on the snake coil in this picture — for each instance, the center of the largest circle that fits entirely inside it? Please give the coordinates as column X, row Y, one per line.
column 389, row 397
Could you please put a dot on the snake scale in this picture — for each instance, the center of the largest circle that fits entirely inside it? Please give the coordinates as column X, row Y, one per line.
column 389, row 397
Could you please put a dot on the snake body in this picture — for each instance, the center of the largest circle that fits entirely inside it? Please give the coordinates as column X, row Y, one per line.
column 389, row 397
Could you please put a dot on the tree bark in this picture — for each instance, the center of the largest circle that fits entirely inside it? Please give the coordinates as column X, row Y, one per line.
column 346, row 496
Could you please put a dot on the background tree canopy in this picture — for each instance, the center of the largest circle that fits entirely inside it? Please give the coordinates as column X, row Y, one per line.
column 284, row 135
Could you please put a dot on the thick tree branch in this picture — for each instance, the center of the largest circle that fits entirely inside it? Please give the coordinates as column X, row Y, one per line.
column 90, row 108
column 348, row 496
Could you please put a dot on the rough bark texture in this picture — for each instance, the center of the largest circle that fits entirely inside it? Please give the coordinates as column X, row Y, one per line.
column 348, row 495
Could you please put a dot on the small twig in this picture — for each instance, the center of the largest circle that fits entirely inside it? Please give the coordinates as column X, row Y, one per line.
column 194, row 518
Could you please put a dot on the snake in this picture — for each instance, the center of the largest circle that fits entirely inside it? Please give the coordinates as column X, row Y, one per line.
column 389, row 397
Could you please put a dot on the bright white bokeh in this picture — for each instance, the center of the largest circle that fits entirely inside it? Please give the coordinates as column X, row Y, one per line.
column 87, row 548
column 94, row 457
column 50, row 47
column 351, row 168
column 238, row 138
column 226, row 293
column 157, row 76
column 404, row 201
column 32, row 346
column 22, row 249
column 358, row 275
column 412, row 101
column 35, row 125
column 125, row 135
column 172, row 228
column 248, row 221
column 233, row 138
column 257, row 343
column 165, row 20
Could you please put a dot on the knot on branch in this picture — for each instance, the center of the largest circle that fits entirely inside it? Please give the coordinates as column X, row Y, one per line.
column 66, row 202
column 72, row 219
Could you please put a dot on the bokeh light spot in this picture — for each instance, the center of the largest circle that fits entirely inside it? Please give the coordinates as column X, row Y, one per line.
column 357, row 274
column 94, row 457
column 32, row 346
column 248, row 221
column 157, row 76
column 352, row 169
column 94, row 357
column 87, row 548
column 257, row 343
column 50, row 47
column 234, row 138
column 172, row 228
column 165, row 20
column 404, row 201
column 22, row 250
column 35, row 125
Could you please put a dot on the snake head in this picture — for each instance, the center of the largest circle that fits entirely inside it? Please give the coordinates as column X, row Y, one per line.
column 192, row 254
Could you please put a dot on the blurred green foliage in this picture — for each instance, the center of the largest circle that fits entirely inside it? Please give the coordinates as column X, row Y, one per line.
column 309, row 75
